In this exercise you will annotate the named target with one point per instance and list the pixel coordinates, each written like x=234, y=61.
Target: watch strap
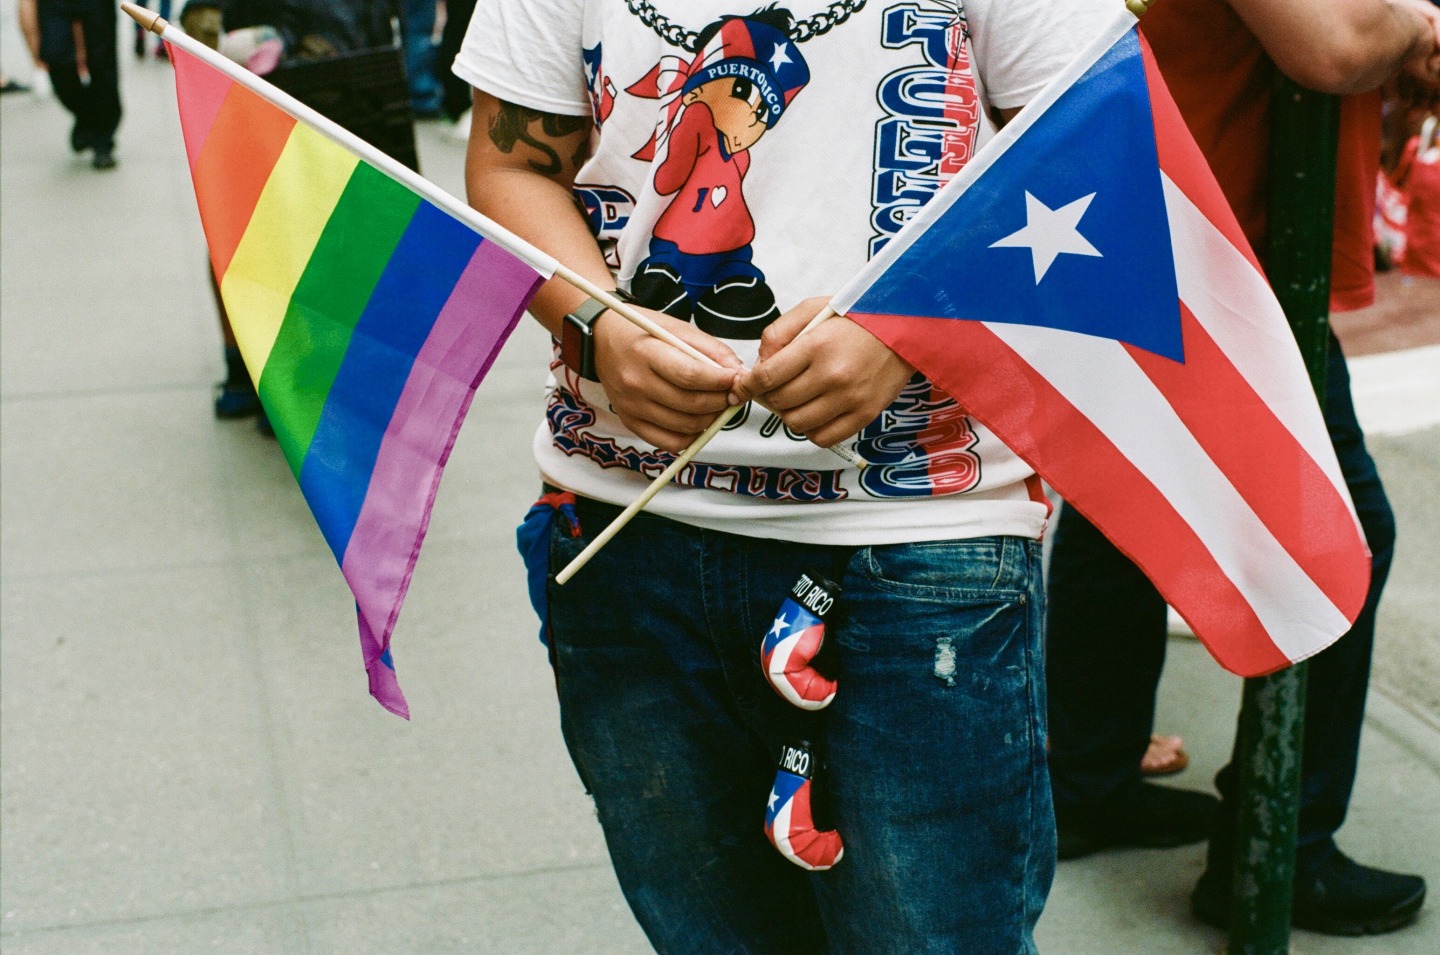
x=577, y=336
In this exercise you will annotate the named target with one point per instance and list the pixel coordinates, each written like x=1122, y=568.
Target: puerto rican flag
x=1084, y=290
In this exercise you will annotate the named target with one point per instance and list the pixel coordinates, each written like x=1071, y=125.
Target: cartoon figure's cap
x=758, y=52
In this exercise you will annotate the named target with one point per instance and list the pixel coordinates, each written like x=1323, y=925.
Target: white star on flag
x=773, y=799
x=779, y=58
x=1049, y=233
x=779, y=627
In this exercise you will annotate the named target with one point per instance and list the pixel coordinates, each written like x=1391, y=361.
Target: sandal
x=1165, y=756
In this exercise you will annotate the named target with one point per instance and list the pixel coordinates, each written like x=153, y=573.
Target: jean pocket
x=972, y=568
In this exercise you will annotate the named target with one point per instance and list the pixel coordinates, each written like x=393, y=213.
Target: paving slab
x=1407, y=640
x=94, y=482
x=138, y=779
x=568, y=910
x=278, y=930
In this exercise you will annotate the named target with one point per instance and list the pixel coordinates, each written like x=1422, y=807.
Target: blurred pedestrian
x=30, y=30
x=141, y=34
x=259, y=34
x=1417, y=178
x=1107, y=623
x=455, y=101
x=417, y=37
x=72, y=31
x=319, y=29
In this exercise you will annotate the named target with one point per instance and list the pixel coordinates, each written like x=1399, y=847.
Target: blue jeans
x=1107, y=648
x=417, y=24
x=934, y=746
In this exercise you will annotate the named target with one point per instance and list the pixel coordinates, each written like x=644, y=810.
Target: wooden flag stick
x=666, y=476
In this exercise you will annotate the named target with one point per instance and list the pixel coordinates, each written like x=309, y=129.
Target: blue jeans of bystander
x=934, y=745
x=417, y=29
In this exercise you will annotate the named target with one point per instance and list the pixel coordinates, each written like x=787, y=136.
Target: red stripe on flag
x=1182, y=161
x=244, y=144
x=200, y=90
x=1024, y=410
x=1272, y=471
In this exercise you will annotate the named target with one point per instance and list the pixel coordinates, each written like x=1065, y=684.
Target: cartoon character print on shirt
x=599, y=84
x=745, y=73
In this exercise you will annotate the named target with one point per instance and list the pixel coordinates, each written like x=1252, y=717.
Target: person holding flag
x=1107, y=622
x=731, y=163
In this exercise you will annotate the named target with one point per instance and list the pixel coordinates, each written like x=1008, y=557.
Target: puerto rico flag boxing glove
x=788, y=652
x=790, y=822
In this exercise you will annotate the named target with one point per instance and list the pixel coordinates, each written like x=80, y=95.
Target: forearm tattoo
x=513, y=124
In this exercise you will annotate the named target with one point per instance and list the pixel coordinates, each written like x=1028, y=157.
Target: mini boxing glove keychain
x=788, y=657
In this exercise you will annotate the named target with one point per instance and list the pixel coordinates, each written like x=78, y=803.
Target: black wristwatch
x=577, y=336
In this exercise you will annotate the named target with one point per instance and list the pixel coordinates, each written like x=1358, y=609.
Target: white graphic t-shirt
x=750, y=155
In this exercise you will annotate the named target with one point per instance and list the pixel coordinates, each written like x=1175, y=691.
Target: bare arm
x=519, y=170
x=1345, y=46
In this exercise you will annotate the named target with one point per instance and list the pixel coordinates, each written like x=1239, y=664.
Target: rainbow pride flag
x=366, y=313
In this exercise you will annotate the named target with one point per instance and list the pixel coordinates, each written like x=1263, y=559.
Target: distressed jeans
x=934, y=746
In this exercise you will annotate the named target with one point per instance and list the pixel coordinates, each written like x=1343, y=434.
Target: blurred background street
x=191, y=762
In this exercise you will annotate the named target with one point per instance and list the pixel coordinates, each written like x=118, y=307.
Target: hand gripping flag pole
x=666, y=476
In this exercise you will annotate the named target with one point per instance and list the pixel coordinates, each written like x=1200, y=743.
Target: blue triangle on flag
x=1011, y=249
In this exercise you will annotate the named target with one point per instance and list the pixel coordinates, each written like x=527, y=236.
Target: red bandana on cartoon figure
x=738, y=41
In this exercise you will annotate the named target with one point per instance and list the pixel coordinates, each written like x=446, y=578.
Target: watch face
x=577, y=345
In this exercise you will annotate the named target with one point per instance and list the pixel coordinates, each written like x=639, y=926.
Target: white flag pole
x=541, y=262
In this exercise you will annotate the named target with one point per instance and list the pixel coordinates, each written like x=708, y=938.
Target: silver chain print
x=676, y=35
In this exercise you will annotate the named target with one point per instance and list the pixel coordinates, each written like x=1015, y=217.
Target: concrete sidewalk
x=190, y=759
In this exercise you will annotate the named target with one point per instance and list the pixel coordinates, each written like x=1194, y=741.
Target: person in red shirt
x=1418, y=175
x=1106, y=622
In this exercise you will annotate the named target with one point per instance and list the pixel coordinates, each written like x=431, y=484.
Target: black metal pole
x=1304, y=137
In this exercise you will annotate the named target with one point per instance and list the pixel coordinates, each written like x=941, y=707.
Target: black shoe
x=80, y=138
x=658, y=286
x=236, y=399
x=104, y=158
x=737, y=308
x=1146, y=815
x=1338, y=897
